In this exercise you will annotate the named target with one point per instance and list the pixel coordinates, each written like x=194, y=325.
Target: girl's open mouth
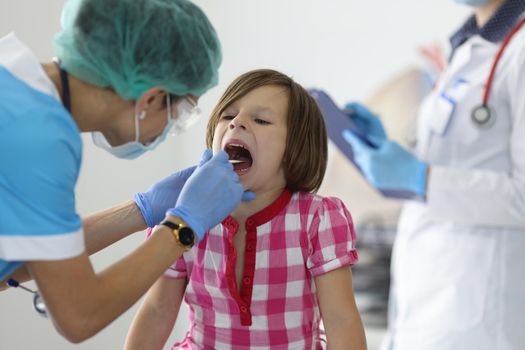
x=240, y=157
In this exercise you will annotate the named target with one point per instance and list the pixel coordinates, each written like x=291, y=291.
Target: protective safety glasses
x=38, y=302
x=187, y=113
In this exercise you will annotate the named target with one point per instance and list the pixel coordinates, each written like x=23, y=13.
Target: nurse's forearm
x=108, y=226
x=100, y=230
x=81, y=302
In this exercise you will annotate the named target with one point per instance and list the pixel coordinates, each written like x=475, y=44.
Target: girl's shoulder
x=312, y=202
x=327, y=232
x=311, y=209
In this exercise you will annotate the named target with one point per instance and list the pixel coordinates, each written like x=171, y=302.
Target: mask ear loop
x=168, y=101
x=142, y=115
x=138, y=117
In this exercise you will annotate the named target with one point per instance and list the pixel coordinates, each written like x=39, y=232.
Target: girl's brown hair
x=305, y=156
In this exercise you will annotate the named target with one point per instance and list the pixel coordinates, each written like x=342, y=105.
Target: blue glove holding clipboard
x=360, y=135
x=336, y=121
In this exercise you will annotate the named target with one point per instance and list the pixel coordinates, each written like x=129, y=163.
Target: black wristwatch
x=182, y=233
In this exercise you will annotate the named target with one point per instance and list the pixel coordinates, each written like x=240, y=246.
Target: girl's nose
x=237, y=122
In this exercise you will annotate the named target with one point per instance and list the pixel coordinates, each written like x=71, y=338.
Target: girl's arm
x=156, y=317
x=344, y=329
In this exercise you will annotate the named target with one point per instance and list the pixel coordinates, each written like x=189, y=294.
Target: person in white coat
x=458, y=261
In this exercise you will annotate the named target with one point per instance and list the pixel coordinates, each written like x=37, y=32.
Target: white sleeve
x=488, y=197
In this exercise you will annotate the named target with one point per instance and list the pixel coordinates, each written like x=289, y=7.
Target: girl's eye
x=261, y=121
x=227, y=117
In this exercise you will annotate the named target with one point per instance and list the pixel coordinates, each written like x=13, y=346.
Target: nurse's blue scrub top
x=40, y=157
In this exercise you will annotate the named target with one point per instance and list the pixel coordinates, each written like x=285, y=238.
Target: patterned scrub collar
x=495, y=30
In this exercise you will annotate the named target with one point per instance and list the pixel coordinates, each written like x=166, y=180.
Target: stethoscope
x=38, y=302
x=483, y=115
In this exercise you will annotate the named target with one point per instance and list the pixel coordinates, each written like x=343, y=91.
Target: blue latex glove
x=390, y=168
x=367, y=122
x=161, y=196
x=210, y=194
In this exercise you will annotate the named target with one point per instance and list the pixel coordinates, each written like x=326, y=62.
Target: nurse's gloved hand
x=211, y=193
x=161, y=196
x=390, y=168
x=367, y=122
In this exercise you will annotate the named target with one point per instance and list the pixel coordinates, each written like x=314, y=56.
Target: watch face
x=186, y=236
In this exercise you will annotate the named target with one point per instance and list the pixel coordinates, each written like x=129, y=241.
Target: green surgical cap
x=131, y=46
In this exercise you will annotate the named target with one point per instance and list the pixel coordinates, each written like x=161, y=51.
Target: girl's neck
x=484, y=13
x=261, y=201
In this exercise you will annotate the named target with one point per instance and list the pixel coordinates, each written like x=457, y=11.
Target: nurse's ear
x=153, y=98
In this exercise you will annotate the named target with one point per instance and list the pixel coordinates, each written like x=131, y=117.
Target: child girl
x=278, y=265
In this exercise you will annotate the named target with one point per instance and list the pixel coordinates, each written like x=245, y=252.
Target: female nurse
x=129, y=72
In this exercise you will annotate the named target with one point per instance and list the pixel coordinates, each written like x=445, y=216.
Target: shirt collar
x=21, y=62
x=272, y=210
x=495, y=30
x=265, y=214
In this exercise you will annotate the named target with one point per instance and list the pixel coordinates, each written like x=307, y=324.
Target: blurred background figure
x=457, y=263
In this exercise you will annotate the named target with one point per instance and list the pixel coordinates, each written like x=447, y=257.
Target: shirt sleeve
x=41, y=155
x=485, y=197
x=179, y=268
x=331, y=238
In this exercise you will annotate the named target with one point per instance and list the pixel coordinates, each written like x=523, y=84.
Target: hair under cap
x=134, y=45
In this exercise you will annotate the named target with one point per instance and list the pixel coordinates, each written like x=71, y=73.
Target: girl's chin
x=247, y=185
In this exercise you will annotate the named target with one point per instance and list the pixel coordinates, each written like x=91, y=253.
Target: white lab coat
x=458, y=266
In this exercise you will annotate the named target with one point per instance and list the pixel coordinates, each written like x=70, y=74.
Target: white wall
x=347, y=47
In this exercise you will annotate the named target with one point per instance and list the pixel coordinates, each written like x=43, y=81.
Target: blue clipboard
x=336, y=121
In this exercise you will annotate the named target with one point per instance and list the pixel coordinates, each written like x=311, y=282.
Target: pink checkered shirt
x=296, y=238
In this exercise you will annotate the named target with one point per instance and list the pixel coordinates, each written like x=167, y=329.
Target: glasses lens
x=39, y=304
x=188, y=113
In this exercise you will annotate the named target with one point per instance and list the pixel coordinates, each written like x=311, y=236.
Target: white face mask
x=134, y=149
